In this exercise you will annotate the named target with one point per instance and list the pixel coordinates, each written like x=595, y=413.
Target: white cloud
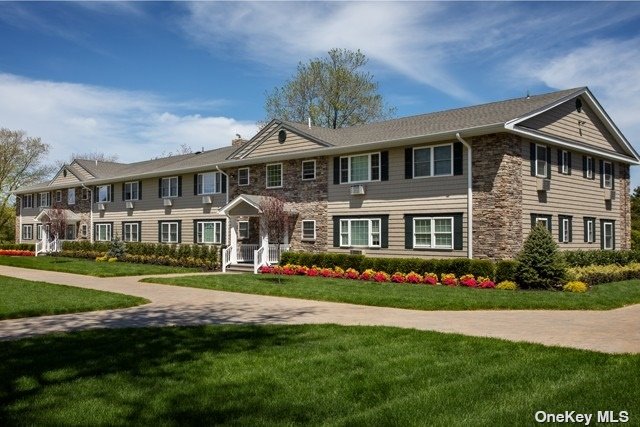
x=134, y=125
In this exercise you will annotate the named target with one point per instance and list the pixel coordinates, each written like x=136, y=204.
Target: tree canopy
x=333, y=92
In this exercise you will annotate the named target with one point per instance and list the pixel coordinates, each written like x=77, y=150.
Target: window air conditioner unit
x=357, y=190
x=168, y=202
x=357, y=252
x=101, y=206
x=544, y=184
x=206, y=200
x=609, y=194
x=129, y=205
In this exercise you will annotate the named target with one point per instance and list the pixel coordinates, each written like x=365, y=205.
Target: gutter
x=469, y=195
x=91, y=213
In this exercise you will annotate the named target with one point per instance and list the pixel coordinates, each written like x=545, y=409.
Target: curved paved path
x=614, y=331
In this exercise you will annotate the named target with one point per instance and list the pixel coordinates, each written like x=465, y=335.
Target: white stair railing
x=259, y=259
x=226, y=257
x=275, y=251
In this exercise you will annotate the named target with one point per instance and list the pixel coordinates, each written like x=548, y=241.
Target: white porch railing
x=275, y=251
x=246, y=253
x=258, y=259
x=44, y=246
x=226, y=257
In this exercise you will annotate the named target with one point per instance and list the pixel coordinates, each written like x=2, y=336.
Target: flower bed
x=16, y=252
x=369, y=275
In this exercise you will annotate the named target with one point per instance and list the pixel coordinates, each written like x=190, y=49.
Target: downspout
x=469, y=195
x=19, y=218
x=91, y=212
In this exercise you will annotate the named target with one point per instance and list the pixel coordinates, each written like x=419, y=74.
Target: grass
x=90, y=267
x=310, y=375
x=419, y=297
x=24, y=298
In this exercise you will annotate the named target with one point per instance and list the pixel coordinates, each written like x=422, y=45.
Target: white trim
x=369, y=230
x=23, y=199
x=546, y=161
x=266, y=175
x=109, y=230
x=48, y=194
x=169, y=223
x=544, y=219
x=129, y=224
x=217, y=231
x=71, y=191
x=162, y=187
x=469, y=195
x=59, y=193
x=432, y=161
x=240, y=236
x=217, y=183
x=241, y=198
x=24, y=228
x=604, y=175
x=248, y=177
x=565, y=231
x=109, y=195
x=591, y=227
x=432, y=220
x=137, y=183
x=606, y=224
x=369, y=167
x=565, y=167
x=591, y=166
x=302, y=170
x=302, y=236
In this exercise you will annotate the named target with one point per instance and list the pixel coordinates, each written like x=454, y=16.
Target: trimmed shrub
x=575, y=287
x=540, y=265
x=598, y=274
x=600, y=257
x=18, y=246
x=116, y=249
x=506, y=270
x=507, y=285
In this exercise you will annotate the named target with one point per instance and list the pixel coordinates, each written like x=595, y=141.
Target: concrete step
x=240, y=268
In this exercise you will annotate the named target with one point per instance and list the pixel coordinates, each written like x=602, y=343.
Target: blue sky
x=139, y=79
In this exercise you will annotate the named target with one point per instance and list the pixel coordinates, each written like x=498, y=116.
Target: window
x=59, y=196
x=27, y=201
x=607, y=235
x=83, y=230
x=308, y=170
x=39, y=231
x=103, y=232
x=243, y=229
x=131, y=191
x=543, y=219
x=274, y=175
x=85, y=194
x=71, y=196
x=589, y=230
x=541, y=161
x=131, y=231
x=208, y=183
x=433, y=161
x=243, y=176
x=565, y=162
x=362, y=168
x=209, y=232
x=103, y=193
x=565, y=228
x=170, y=232
x=433, y=233
x=169, y=187
x=27, y=232
x=70, y=232
x=588, y=167
x=45, y=200
x=308, y=229
x=360, y=233
x=607, y=173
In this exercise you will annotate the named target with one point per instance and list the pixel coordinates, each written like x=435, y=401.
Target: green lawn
x=302, y=375
x=420, y=297
x=90, y=267
x=24, y=298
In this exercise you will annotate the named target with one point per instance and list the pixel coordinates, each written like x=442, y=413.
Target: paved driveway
x=614, y=331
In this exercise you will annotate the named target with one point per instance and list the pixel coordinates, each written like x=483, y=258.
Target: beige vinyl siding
x=399, y=196
x=150, y=210
x=570, y=195
x=60, y=179
x=80, y=171
x=293, y=144
x=564, y=120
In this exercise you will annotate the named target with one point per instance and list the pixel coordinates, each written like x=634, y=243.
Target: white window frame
x=369, y=167
x=433, y=245
x=217, y=232
x=217, y=182
x=591, y=225
x=169, y=225
x=66, y=232
x=302, y=170
x=541, y=219
x=267, y=175
x=240, y=184
x=432, y=163
x=83, y=230
x=109, y=195
x=29, y=198
x=607, y=175
x=590, y=167
x=609, y=225
x=108, y=232
x=307, y=221
x=39, y=229
x=27, y=232
x=130, y=184
x=565, y=230
x=169, y=194
x=47, y=202
x=130, y=226
x=564, y=157
x=71, y=196
x=240, y=236
x=58, y=196
x=348, y=234
x=546, y=161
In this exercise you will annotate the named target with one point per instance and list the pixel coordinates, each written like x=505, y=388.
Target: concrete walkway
x=614, y=331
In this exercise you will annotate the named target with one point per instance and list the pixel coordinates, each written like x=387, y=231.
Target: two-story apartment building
x=469, y=182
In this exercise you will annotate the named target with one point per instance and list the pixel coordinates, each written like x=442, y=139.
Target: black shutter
x=408, y=163
x=384, y=166
x=613, y=176
x=159, y=231
x=95, y=194
x=180, y=186
x=336, y=231
x=560, y=227
x=457, y=158
x=223, y=190
x=179, y=225
x=195, y=184
x=601, y=163
x=195, y=231
x=408, y=232
x=559, y=160
x=532, y=154
x=457, y=231
x=384, y=231
x=570, y=162
x=585, y=228
x=123, y=191
x=548, y=162
x=584, y=166
x=336, y=171
x=160, y=187
x=613, y=235
x=139, y=190
x=111, y=198
x=601, y=233
x=570, y=229
x=223, y=232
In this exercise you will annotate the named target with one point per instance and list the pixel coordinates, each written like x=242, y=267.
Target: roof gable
x=65, y=176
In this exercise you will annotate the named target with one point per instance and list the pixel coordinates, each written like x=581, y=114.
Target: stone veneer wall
x=625, y=207
x=497, y=196
x=307, y=198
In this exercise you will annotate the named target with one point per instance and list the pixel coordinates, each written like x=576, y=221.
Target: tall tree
x=635, y=219
x=333, y=92
x=21, y=163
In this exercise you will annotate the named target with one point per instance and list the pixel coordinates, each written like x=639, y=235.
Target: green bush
x=598, y=274
x=506, y=270
x=507, y=285
x=116, y=249
x=19, y=246
x=575, y=287
x=539, y=263
x=599, y=257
